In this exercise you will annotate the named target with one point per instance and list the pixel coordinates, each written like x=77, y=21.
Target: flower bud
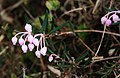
x=24, y=48
x=108, y=22
x=50, y=58
x=103, y=20
x=37, y=53
x=35, y=42
x=30, y=38
x=21, y=41
x=115, y=17
x=14, y=40
x=28, y=27
x=30, y=46
x=43, y=51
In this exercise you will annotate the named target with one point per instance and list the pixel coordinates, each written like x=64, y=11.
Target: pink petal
x=108, y=22
x=43, y=51
x=50, y=58
x=115, y=17
x=14, y=40
x=21, y=41
x=28, y=27
x=35, y=42
x=103, y=19
x=37, y=53
x=24, y=48
x=30, y=38
x=30, y=46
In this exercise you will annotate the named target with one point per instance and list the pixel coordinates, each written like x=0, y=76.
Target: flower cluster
x=109, y=17
x=29, y=41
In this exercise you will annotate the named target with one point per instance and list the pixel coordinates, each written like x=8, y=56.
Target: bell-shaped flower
x=30, y=38
x=37, y=53
x=30, y=46
x=103, y=20
x=108, y=22
x=43, y=51
x=14, y=40
x=28, y=27
x=35, y=42
x=24, y=48
x=115, y=17
x=21, y=41
x=50, y=58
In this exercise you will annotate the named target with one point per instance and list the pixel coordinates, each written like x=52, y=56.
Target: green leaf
x=71, y=26
x=27, y=76
x=52, y=4
x=59, y=27
x=45, y=22
x=13, y=75
x=82, y=56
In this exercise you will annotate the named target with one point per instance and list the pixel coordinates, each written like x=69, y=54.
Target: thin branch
x=76, y=9
x=79, y=31
x=87, y=46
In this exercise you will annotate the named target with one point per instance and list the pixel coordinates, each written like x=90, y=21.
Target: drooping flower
x=108, y=22
x=30, y=38
x=51, y=57
x=115, y=17
x=24, y=48
x=103, y=20
x=43, y=51
x=21, y=41
x=30, y=46
x=28, y=27
x=14, y=40
x=35, y=42
x=37, y=53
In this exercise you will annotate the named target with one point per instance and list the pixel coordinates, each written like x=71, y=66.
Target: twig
x=101, y=41
x=4, y=50
x=14, y=6
x=76, y=9
x=86, y=46
x=78, y=31
x=96, y=6
x=108, y=58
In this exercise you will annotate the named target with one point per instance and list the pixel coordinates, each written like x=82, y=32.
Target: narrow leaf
x=82, y=56
x=59, y=27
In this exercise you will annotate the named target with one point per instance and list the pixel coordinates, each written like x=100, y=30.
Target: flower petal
x=43, y=51
x=21, y=41
x=14, y=40
x=28, y=27
x=37, y=53
x=24, y=48
x=30, y=46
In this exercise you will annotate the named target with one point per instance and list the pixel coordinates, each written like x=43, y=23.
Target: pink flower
x=108, y=22
x=37, y=53
x=14, y=40
x=103, y=20
x=50, y=58
x=115, y=17
x=35, y=42
x=21, y=41
x=43, y=51
x=30, y=38
x=24, y=48
x=30, y=46
x=28, y=27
